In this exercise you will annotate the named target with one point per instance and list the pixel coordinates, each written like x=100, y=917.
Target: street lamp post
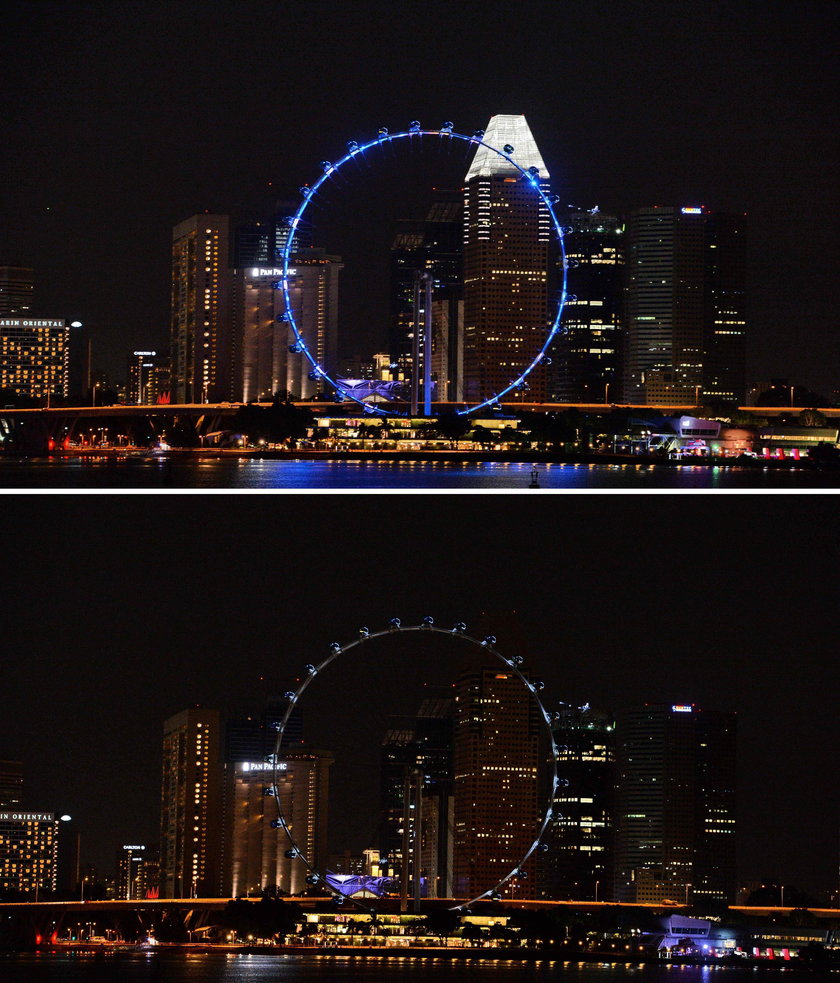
x=606, y=393
x=596, y=889
x=791, y=396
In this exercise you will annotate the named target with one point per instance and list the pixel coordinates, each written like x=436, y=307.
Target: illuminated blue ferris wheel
x=299, y=346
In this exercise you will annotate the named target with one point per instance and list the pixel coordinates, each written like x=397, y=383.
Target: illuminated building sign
x=136, y=846
x=692, y=211
x=269, y=271
x=16, y=322
x=145, y=353
x=261, y=766
x=679, y=708
x=27, y=817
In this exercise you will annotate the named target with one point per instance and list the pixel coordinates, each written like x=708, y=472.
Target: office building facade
x=685, y=321
x=417, y=755
x=578, y=863
x=433, y=245
x=147, y=378
x=131, y=884
x=496, y=780
x=506, y=256
x=675, y=805
x=11, y=786
x=586, y=354
x=191, y=805
x=17, y=286
x=202, y=345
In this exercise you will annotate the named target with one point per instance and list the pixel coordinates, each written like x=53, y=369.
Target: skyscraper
x=421, y=747
x=725, y=318
x=17, y=284
x=191, y=813
x=432, y=245
x=268, y=366
x=675, y=804
x=202, y=345
x=28, y=852
x=496, y=779
x=506, y=247
x=586, y=353
x=255, y=859
x=684, y=306
x=34, y=356
x=147, y=377
x=11, y=785
x=578, y=863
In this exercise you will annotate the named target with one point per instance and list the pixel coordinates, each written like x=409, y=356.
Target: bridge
x=24, y=924
x=41, y=430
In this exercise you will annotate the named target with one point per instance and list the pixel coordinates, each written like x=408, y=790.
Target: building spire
x=502, y=131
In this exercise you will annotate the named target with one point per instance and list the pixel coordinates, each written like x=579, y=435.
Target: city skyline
x=756, y=138
x=603, y=622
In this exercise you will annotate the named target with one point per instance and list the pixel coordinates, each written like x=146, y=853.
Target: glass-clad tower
x=506, y=247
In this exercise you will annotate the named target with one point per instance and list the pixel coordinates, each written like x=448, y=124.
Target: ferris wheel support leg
x=427, y=348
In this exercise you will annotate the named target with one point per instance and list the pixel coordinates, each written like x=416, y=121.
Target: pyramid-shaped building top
x=503, y=130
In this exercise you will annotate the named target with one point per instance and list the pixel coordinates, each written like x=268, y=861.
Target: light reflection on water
x=132, y=967
x=245, y=473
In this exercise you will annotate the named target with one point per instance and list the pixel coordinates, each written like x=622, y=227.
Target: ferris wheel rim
x=395, y=626
x=309, y=192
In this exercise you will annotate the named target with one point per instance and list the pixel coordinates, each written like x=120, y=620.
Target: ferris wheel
x=487, y=646
x=330, y=170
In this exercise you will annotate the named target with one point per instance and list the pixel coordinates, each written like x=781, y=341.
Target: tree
x=812, y=418
x=452, y=426
x=472, y=933
x=442, y=922
x=824, y=453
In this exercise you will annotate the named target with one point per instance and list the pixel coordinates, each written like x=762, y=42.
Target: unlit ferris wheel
x=428, y=627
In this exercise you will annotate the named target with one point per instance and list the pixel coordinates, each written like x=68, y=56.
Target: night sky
x=121, y=119
x=120, y=611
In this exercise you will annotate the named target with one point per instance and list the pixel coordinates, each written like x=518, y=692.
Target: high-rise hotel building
x=202, y=343
x=28, y=851
x=267, y=365
x=255, y=859
x=496, y=780
x=191, y=806
x=506, y=254
x=685, y=319
x=34, y=356
x=675, y=805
